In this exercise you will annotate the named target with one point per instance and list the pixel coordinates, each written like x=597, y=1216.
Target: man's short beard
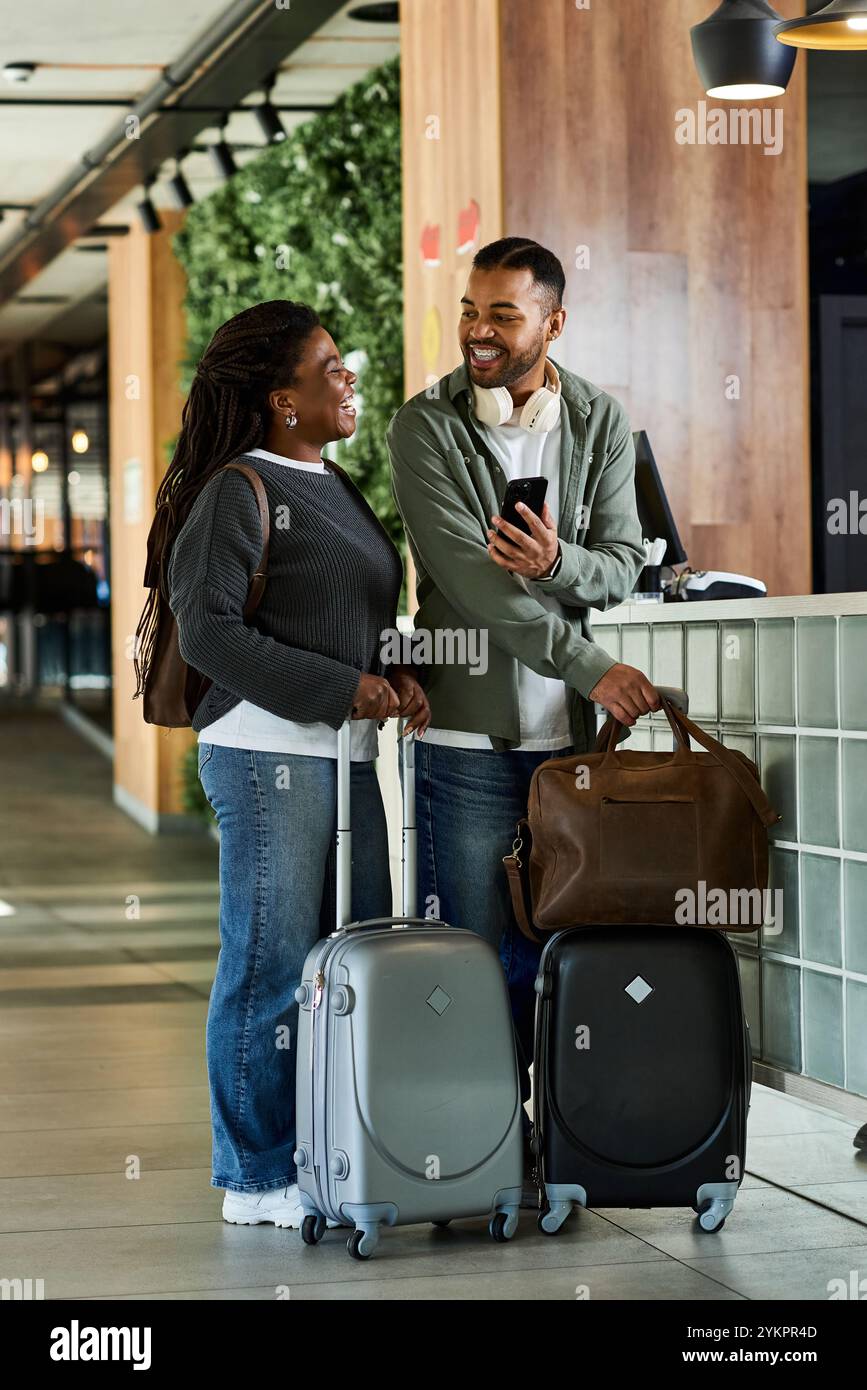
x=515, y=367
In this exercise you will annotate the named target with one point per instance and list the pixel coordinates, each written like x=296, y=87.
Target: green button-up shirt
x=447, y=485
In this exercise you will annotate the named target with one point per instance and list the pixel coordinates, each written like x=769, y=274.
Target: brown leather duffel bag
x=612, y=837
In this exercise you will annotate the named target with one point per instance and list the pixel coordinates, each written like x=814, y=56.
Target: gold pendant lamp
x=840, y=25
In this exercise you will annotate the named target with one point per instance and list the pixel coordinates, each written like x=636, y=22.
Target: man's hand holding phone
x=531, y=556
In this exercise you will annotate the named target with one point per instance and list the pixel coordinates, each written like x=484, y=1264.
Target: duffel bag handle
x=609, y=736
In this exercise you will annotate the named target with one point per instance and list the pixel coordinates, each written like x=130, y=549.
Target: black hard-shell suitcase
x=642, y=1072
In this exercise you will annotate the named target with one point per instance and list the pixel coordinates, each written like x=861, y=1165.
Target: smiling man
x=508, y=412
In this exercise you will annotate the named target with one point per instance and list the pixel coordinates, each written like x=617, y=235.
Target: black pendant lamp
x=840, y=25
x=737, y=53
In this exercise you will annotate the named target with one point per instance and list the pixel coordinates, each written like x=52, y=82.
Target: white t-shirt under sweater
x=248, y=726
x=543, y=703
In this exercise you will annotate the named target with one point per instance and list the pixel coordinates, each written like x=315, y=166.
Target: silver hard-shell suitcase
x=408, y=1097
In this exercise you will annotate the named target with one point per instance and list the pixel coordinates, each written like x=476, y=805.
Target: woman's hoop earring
x=291, y=420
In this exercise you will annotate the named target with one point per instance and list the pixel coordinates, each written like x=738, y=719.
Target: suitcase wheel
x=551, y=1218
x=362, y=1243
x=313, y=1229
x=503, y=1225
x=712, y=1214
x=441, y=1224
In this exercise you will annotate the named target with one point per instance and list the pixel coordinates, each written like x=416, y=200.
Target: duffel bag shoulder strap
x=726, y=758
x=519, y=885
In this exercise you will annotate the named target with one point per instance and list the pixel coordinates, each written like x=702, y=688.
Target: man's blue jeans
x=277, y=819
x=468, y=802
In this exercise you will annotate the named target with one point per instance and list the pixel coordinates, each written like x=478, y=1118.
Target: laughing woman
x=272, y=388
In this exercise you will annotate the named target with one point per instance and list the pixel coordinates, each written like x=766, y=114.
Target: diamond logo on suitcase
x=638, y=989
x=439, y=1001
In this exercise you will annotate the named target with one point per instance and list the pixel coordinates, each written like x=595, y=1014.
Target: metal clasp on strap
x=517, y=845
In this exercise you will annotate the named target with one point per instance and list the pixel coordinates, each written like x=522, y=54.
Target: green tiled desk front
x=785, y=681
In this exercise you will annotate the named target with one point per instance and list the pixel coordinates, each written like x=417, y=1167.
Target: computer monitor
x=653, y=510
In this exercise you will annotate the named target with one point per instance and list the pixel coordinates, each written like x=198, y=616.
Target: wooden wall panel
x=564, y=157
x=146, y=323
x=697, y=263
x=451, y=79
x=731, y=218
x=659, y=310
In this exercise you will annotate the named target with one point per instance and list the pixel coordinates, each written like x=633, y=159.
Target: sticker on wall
x=431, y=338
x=430, y=244
x=469, y=222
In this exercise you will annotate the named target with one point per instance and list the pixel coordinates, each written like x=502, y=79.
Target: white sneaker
x=280, y=1205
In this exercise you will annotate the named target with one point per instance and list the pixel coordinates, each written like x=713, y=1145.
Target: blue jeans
x=277, y=819
x=468, y=802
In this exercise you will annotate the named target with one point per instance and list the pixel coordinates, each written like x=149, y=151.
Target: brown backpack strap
x=260, y=578
x=519, y=887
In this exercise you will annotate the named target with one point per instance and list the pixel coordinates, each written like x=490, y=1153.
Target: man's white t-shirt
x=248, y=726
x=543, y=703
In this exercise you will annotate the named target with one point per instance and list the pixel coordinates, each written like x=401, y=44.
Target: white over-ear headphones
x=494, y=404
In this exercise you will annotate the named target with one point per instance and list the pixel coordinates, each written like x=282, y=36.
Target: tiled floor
x=102, y=1076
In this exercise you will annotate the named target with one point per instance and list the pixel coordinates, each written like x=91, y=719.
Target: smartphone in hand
x=530, y=491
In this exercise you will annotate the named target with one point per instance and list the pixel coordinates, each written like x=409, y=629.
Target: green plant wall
x=317, y=218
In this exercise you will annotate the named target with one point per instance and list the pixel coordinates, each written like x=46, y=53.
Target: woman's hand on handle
x=374, y=698
x=414, y=706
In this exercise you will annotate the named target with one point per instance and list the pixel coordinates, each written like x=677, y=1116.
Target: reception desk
x=784, y=680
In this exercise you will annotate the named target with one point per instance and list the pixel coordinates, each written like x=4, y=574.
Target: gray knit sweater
x=333, y=586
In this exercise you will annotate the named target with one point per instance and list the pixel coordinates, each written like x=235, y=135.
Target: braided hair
x=225, y=415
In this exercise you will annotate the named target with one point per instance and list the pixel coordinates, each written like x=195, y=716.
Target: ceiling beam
x=237, y=55
x=129, y=103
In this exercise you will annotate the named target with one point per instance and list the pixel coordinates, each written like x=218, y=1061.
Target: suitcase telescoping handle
x=344, y=827
x=371, y=922
x=408, y=836
x=408, y=839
